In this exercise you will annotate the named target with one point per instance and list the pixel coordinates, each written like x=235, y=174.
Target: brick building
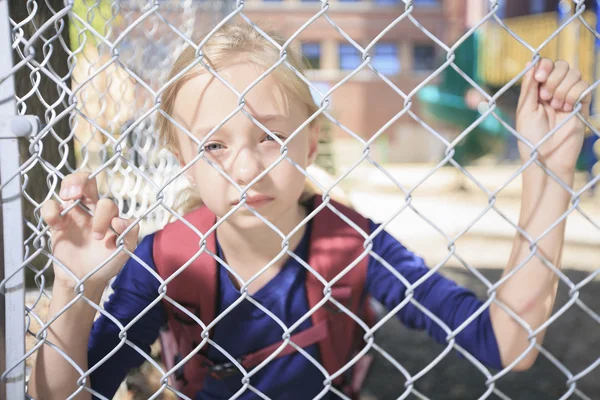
x=405, y=55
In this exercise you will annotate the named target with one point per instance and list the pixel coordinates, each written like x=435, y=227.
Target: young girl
x=254, y=306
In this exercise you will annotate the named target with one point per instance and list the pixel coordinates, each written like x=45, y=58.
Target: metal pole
x=12, y=325
x=594, y=161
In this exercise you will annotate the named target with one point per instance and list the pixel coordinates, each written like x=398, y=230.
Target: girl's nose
x=247, y=166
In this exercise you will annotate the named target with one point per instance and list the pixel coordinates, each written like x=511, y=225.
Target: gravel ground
x=573, y=339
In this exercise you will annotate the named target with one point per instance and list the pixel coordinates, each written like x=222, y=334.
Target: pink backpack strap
x=334, y=246
x=194, y=288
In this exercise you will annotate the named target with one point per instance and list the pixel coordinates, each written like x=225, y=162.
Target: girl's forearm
x=531, y=291
x=53, y=377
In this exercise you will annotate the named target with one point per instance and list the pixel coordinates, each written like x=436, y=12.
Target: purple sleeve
x=134, y=289
x=445, y=299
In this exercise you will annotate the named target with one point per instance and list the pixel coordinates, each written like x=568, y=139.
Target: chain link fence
x=118, y=56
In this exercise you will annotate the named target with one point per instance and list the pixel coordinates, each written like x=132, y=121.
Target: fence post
x=12, y=302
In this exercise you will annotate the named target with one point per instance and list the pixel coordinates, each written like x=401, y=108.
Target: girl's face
x=240, y=148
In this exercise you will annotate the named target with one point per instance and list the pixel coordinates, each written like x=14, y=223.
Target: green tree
x=99, y=14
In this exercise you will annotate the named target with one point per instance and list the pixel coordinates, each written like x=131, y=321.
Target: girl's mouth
x=256, y=201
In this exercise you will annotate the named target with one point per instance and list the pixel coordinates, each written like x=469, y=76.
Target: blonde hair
x=222, y=50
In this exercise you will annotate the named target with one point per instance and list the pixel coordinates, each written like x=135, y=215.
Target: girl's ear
x=313, y=145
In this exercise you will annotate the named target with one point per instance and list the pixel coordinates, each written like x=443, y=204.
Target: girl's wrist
x=68, y=287
x=535, y=176
x=564, y=173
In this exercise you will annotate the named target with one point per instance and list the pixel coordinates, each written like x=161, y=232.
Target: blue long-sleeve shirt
x=292, y=376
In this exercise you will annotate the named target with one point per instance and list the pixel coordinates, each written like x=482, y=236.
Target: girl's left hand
x=548, y=95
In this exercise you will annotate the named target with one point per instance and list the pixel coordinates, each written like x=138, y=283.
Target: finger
x=529, y=90
x=80, y=186
x=558, y=99
x=106, y=210
x=560, y=70
x=50, y=212
x=70, y=185
x=130, y=239
x=573, y=95
x=543, y=70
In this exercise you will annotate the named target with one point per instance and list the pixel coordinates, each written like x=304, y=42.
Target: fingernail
x=568, y=107
x=545, y=94
x=541, y=74
x=97, y=235
x=73, y=191
x=120, y=225
x=63, y=192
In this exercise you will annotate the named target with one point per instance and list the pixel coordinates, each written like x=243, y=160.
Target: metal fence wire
x=118, y=55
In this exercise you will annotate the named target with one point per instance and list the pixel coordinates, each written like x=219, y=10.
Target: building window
x=350, y=58
x=385, y=58
x=423, y=57
x=312, y=53
x=538, y=6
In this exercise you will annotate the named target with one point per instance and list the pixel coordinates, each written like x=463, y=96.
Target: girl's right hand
x=82, y=242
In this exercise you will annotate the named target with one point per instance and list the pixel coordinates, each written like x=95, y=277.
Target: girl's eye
x=270, y=138
x=212, y=147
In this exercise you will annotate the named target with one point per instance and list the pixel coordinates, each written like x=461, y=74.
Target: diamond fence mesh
x=118, y=55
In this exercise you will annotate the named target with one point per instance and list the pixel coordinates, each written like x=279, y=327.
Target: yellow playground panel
x=502, y=57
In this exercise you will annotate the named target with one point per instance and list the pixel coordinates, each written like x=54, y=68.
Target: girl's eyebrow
x=269, y=118
x=202, y=131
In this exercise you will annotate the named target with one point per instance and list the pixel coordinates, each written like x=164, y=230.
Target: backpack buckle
x=223, y=370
